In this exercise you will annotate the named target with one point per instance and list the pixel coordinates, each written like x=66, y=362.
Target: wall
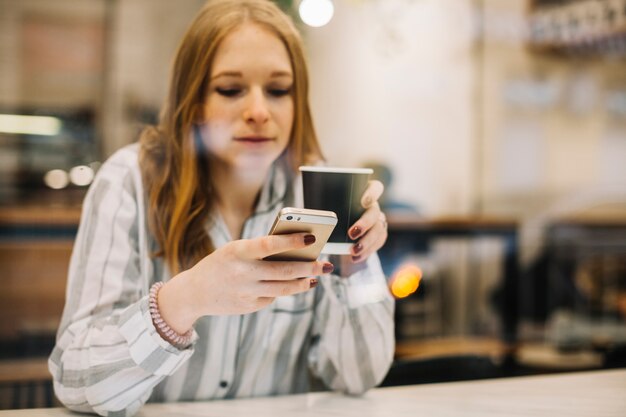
x=392, y=81
x=144, y=38
x=19, y=86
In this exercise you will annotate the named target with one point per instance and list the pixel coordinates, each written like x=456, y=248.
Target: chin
x=255, y=163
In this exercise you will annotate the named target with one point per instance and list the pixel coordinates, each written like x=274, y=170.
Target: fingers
x=285, y=278
x=372, y=193
x=370, y=242
x=289, y=270
x=285, y=288
x=370, y=229
x=262, y=247
x=366, y=222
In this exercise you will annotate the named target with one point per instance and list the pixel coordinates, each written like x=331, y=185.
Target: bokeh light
x=81, y=175
x=30, y=125
x=406, y=280
x=56, y=179
x=316, y=13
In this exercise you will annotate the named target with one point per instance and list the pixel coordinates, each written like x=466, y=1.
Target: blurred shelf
x=40, y=215
x=26, y=383
x=593, y=220
x=546, y=357
x=452, y=346
x=416, y=308
x=24, y=370
x=416, y=222
x=39, y=222
x=578, y=28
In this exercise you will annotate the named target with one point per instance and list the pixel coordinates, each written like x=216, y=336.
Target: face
x=248, y=112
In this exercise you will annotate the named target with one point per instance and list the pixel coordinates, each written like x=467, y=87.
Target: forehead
x=251, y=48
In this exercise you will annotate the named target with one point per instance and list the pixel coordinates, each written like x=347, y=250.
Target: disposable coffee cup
x=339, y=190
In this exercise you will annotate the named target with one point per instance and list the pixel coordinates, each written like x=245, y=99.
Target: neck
x=236, y=193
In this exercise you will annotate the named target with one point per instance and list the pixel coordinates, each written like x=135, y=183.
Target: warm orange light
x=406, y=280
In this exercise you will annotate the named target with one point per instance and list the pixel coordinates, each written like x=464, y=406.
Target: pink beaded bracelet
x=171, y=336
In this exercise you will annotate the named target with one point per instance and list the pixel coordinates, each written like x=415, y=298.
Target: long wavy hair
x=174, y=166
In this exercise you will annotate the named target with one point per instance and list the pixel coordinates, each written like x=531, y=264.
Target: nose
x=256, y=110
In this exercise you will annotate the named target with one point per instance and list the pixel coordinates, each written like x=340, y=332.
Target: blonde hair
x=174, y=167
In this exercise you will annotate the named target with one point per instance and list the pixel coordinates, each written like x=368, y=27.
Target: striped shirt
x=110, y=360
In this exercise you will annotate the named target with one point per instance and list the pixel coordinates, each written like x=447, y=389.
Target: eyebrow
x=274, y=74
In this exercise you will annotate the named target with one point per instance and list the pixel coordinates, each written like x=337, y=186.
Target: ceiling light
x=29, y=125
x=81, y=175
x=56, y=179
x=316, y=13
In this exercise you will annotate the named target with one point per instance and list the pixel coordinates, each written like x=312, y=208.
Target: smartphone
x=319, y=223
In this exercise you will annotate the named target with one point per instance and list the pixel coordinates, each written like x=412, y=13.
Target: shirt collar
x=276, y=187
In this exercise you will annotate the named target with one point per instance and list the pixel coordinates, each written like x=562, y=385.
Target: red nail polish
x=328, y=268
x=312, y=283
x=309, y=239
x=355, y=232
x=357, y=248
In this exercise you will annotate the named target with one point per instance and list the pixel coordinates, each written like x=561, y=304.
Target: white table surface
x=589, y=394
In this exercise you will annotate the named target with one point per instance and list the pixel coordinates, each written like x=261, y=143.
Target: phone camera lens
x=289, y=217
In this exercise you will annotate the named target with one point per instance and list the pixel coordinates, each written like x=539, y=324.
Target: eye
x=229, y=91
x=279, y=92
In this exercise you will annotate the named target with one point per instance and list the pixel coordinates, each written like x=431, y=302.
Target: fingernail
x=328, y=268
x=357, y=248
x=309, y=239
x=356, y=258
x=355, y=232
x=312, y=283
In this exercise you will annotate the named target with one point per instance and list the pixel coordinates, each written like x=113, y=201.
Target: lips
x=253, y=139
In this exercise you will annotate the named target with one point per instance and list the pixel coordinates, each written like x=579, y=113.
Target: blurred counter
x=571, y=395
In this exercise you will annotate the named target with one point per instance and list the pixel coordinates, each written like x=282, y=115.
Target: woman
x=168, y=298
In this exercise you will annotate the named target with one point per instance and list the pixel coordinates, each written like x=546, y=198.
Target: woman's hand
x=370, y=231
x=235, y=280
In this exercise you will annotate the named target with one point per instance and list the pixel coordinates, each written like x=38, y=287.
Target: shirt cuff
x=147, y=348
x=366, y=285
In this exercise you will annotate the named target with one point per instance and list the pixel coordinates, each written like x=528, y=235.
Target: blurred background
x=498, y=126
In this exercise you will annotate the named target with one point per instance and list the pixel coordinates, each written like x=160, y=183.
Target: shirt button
x=223, y=384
